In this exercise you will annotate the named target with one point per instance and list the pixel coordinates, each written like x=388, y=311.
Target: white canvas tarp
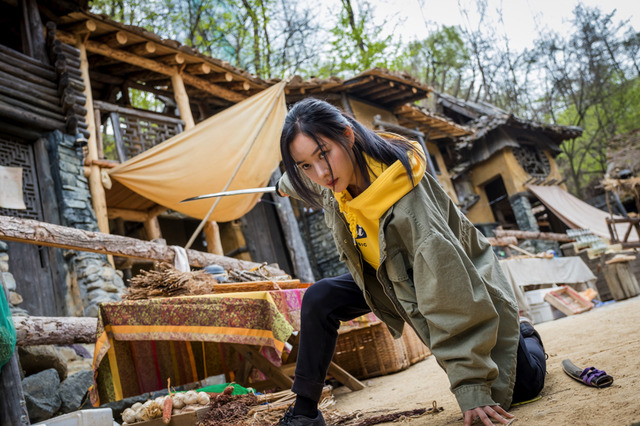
x=235, y=149
x=575, y=213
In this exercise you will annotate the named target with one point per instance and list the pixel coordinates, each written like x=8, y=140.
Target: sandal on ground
x=589, y=376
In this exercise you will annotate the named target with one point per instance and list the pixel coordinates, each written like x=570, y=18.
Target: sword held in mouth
x=266, y=189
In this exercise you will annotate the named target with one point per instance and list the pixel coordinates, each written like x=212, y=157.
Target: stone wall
x=91, y=278
x=8, y=282
x=323, y=254
x=526, y=221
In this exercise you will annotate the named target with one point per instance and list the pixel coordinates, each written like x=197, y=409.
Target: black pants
x=331, y=300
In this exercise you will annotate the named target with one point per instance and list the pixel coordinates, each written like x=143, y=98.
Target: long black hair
x=315, y=118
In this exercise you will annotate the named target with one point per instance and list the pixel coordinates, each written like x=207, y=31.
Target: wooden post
x=182, y=99
x=98, y=197
x=299, y=258
x=212, y=236
x=152, y=228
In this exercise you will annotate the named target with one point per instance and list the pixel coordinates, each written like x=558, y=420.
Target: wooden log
x=32, y=65
x=81, y=27
x=295, y=244
x=223, y=77
x=212, y=89
x=26, y=117
x=152, y=228
x=46, y=234
x=128, y=215
x=143, y=49
x=28, y=93
x=25, y=75
x=201, y=68
x=116, y=39
x=63, y=67
x=171, y=59
x=98, y=196
x=71, y=61
x=212, y=236
x=32, y=108
x=36, y=31
x=68, y=82
x=153, y=65
x=529, y=235
x=503, y=241
x=54, y=330
x=16, y=82
x=182, y=99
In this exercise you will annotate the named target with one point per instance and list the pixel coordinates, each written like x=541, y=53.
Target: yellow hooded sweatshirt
x=388, y=185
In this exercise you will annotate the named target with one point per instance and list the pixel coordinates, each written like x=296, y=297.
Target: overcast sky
x=523, y=19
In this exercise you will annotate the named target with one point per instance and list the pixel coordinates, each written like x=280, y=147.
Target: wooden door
x=31, y=265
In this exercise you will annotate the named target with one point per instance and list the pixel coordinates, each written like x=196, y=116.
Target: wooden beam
x=182, y=99
x=81, y=27
x=201, y=68
x=224, y=77
x=153, y=65
x=46, y=234
x=32, y=330
x=128, y=215
x=143, y=48
x=118, y=38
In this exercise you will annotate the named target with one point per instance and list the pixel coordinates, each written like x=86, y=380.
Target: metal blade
x=235, y=192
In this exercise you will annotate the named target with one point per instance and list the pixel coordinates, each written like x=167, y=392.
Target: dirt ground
x=607, y=338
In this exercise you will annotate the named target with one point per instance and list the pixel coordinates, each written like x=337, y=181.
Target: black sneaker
x=300, y=420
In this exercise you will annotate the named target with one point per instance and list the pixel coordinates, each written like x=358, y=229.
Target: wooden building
x=503, y=155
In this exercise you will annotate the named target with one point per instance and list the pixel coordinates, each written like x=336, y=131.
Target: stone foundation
x=91, y=278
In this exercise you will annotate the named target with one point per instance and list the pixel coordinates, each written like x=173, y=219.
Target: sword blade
x=235, y=192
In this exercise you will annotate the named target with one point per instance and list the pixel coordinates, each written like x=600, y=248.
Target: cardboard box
x=568, y=301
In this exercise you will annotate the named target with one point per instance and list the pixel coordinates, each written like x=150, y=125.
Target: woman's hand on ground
x=484, y=413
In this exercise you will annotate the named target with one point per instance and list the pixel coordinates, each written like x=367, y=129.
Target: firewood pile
x=166, y=281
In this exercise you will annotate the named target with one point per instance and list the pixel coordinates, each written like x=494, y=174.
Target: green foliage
x=435, y=58
x=356, y=44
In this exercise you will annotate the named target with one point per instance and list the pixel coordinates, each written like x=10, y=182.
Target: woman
x=413, y=258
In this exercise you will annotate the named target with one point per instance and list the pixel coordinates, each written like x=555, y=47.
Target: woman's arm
x=462, y=319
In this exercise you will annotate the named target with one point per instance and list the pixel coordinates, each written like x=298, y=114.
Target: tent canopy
x=575, y=213
x=235, y=149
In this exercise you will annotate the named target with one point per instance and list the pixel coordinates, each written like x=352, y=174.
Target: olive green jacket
x=438, y=274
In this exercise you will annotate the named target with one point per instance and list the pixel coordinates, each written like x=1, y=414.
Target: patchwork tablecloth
x=142, y=343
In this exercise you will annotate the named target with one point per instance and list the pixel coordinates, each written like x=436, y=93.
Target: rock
x=8, y=281
x=35, y=359
x=41, y=394
x=74, y=389
x=15, y=298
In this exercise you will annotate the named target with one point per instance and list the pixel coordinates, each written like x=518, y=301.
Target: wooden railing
x=135, y=131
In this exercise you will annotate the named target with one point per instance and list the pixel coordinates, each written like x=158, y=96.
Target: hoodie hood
x=388, y=185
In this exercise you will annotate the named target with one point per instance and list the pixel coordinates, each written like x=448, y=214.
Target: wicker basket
x=416, y=350
x=370, y=351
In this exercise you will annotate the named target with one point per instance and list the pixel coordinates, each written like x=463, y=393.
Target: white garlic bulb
x=178, y=400
x=129, y=415
x=203, y=398
x=191, y=397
